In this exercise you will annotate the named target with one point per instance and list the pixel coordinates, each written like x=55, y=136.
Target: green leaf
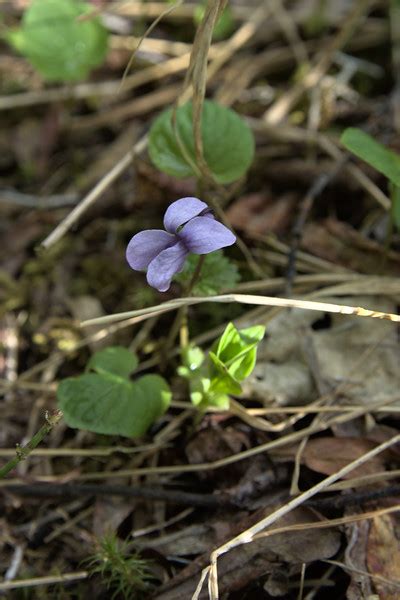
x=221, y=401
x=230, y=361
x=58, y=42
x=232, y=342
x=156, y=396
x=237, y=350
x=112, y=405
x=372, y=152
x=199, y=387
x=223, y=27
x=244, y=363
x=228, y=344
x=115, y=359
x=193, y=357
x=203, y=400
x=222, y=381
x=217, y=273
x=228, y=143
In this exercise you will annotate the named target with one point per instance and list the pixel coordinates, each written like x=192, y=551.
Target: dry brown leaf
x=361, y=356
x=109, y=513
x=215, y=443
x=260, y=213
x=360, y=586
x=383, y=556
x=328, y=454
x=246, y=563
x=380, y=433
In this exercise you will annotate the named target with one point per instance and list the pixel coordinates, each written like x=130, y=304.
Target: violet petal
x=181, y=211
x=165, y=265
x=146, y=245
x=203, y=235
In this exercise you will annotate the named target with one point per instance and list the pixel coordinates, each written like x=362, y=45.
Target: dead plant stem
x=22, y=452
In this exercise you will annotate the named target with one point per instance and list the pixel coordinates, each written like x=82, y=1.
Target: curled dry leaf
x=328, y=455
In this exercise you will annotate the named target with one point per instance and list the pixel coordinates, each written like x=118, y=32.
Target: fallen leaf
x=383, y=556
x=109, y=513
x=261, y=213
x=360, y=586
x=360, y=355
x=382, y=433
x=246, y=563
x=215, y=443
x=328, y=455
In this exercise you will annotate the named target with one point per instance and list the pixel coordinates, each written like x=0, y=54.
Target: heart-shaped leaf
x=61, y=40
x=228, y=143
x=114, y=359
x=112, y=405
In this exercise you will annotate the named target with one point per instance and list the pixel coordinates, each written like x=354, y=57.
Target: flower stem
x=196, y=275
x=180, y=323
x=22, y=452
x=184, y=328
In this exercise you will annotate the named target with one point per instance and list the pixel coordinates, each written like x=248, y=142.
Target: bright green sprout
x=213, y=378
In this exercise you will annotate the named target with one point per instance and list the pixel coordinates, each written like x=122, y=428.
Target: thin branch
x=22, y=452
x=72, y=490
x=355, y=498
x=47, y=580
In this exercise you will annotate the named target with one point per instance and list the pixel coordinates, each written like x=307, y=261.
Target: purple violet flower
x=190, y=228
